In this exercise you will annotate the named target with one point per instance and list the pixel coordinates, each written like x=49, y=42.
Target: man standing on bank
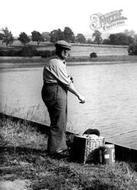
x=56, y=83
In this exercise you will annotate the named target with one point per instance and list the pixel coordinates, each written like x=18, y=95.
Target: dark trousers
x=55, y=98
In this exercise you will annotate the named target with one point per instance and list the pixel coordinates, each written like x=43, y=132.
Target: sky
x=47, y=15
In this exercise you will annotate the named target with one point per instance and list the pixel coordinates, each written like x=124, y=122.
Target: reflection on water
x=110, y=91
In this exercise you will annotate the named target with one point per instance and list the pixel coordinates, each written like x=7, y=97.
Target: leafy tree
x=89, y=41
x=7, y=37
x=46, y=36
x=60, y=35
x=135, y=38
x=56, y=35
x=106, y=41
x=1, y=36
x=53, y=35
x=24, y=38
x=36, y=36
x=130, y=33
x=113, y=39
x=68, y=35
x=80, y=38
x=120, y=39
x=97, y=37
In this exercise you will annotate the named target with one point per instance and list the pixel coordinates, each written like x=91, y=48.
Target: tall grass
x=30, y=161
x=21, y=134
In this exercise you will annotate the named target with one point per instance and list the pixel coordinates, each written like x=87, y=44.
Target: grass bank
x=23, y=157
x=14, y=62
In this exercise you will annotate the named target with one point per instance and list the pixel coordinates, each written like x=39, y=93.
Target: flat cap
x=63, y=44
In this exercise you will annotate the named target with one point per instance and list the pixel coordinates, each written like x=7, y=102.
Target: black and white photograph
x=68, y=95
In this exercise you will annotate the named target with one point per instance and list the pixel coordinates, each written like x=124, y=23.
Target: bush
x=132, y=49
x=93, y=55
x=46, y=53
x=9, y=52
x=13, y=52
x=3, y=53
x=28, y=51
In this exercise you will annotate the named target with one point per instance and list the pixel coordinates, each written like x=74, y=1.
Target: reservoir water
x=110, y=92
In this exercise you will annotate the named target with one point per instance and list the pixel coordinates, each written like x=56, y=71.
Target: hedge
x=26, y=51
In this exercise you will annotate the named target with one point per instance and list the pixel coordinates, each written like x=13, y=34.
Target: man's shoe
x=60, y=154
x=64, y=152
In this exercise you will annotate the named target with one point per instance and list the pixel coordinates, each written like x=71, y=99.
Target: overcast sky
x=46, y=15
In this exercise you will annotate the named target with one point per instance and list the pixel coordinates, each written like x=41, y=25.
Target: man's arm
x=74, y=91
x=60, y=73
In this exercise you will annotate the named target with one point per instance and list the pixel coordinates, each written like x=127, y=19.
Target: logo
x=107, y=21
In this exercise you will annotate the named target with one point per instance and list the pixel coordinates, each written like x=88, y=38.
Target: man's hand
x=71, y=78
x=82, y=99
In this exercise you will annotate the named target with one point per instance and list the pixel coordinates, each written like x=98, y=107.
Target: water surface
x=110, y=92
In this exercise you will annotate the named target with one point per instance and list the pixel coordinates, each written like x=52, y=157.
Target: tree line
x=124, y=38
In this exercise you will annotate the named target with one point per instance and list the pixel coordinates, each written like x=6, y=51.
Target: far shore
x=19, y=62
